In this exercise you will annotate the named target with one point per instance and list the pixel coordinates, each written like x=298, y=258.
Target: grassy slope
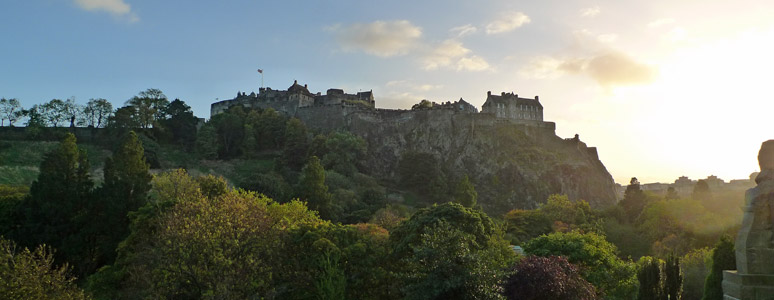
x=19, y=160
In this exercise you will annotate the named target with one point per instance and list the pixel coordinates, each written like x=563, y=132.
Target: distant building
x=511, y=106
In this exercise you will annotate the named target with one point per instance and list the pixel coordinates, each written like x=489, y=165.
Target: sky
x=662, y=88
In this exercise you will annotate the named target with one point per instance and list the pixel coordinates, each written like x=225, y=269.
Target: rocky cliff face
x=511, y=165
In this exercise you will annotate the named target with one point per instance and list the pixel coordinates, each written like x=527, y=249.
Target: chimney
x=502, y=93
x=488, y=93
x=537, y=98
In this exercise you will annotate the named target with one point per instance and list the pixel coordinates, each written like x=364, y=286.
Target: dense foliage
x=265, y=207
x=551, y=277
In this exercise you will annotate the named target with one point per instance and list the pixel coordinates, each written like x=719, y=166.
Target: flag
x=260, y=71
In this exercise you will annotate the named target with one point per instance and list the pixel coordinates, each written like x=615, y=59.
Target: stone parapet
x=747, y=286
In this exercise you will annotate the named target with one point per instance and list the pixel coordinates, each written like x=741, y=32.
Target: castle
x=298, y=102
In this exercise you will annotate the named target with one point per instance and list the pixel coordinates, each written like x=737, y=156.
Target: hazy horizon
x=660, y=89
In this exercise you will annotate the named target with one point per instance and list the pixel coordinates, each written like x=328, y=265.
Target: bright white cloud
x=508, y=21
x=117, y=8
x=463, y=30
x=380, y=38
x=590, y=11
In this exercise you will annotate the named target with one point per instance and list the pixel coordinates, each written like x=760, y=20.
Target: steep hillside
x=511, y=165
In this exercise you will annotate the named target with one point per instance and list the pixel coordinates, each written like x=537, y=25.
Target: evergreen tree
x=634, y=200
x=181, y=122
x=125, y=189
x=312, y=188
x=296, y=144
x=207, y=142
x=51, y=213
x=250, y=144
x=649, y=276
x=723, y=258
x=465, y=193
x=673, y=278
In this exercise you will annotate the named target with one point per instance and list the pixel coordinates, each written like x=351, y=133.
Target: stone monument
x=754, y=277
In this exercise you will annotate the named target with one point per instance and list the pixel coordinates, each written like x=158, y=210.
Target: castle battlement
x=298, y=101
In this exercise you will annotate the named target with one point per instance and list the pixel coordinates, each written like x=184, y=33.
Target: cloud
x=463, y=30
x=472, y=63
x=451, y=54
x=410, y=85
x=609, y=68
x=380, y=38
x=590, y=11
x=117, y=8
x=444, y=55
x=508, y=21
x=615, y=68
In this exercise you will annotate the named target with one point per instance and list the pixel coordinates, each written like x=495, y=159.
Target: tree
x=695, y=266
x=72, y=111
x=53, y=112
x=296, y=144
x=723, y=258
x=424, y=104
x=149, y=105
x=553, y=277
x=181, y=122
x=465, y=193
x=26, y=274
x=97, y=112
x=524, y=225
x=207, y=142
x=34, y=118
x=125, y=189
x=10, y=110
x=312, y=188
x=567, y=215
x=634, y=200
x=53, y=212
x=343, y=150
x=124, y=118
x=222, y=248
x=651, y=280
x=230, y=131
x=613, y=277
x=447, y=263
x=673, y=278
x=450, y=252
x=334, y=261
x=270, y=129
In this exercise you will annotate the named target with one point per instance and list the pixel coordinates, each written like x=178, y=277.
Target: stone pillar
x=754, y=277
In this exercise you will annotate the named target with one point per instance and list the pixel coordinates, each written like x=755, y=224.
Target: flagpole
x=261, y=71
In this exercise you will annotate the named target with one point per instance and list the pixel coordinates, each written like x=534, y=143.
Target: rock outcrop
x=512, y=165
